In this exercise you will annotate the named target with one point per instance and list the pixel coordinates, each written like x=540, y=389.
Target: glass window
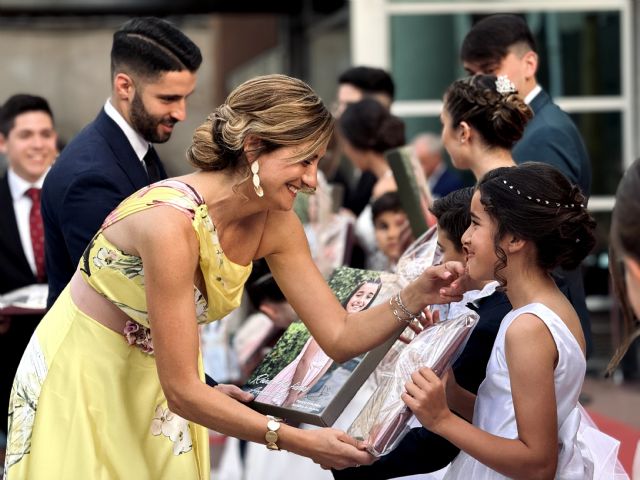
x=579, y=52
x=602, y=133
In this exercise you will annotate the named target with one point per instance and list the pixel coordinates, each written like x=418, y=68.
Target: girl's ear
x=465, y=132
x=515, y=244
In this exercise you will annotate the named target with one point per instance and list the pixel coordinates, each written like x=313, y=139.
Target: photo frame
x=300, y=383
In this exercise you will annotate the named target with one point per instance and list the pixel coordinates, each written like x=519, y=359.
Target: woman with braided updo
x=526, y=419
x=114, y=368
x=482, y=119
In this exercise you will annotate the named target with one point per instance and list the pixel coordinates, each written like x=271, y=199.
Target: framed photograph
x=298, y=381
x=413, y=189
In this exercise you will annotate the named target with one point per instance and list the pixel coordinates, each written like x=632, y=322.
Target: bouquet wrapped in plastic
x=384, y=420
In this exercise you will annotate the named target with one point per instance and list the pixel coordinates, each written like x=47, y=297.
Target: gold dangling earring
x=255, y=168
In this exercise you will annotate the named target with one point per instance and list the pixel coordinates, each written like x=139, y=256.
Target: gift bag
x=384, y=420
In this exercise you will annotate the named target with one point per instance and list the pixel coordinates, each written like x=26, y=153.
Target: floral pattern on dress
x=24, y=402
x=173, y=427
x=138, y=336
x=129, y=265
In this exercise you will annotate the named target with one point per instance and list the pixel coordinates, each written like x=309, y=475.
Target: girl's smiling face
x=478, y=242
x=362, y=297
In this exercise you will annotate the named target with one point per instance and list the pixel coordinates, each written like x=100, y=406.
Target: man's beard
x=146, y=124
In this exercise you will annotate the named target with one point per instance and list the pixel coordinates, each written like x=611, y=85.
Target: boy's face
x=389, y=227
x=448, y=248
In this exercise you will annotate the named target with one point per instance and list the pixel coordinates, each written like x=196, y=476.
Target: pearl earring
x=255, y=168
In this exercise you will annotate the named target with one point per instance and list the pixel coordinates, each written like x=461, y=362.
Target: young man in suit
x=504, y=45
x=28, y=141
x=153, y=71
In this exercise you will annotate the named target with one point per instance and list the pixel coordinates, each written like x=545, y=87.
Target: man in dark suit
x=504, y=45
x=153, y=70
x=28, y=140
x=427, y=147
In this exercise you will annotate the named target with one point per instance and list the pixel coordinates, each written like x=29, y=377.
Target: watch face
x=271, y=437
x=273, y=425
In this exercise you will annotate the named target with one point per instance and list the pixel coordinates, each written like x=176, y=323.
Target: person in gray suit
x=504, y=45
x=153, y=71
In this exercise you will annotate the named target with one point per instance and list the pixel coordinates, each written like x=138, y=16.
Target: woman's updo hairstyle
x=536, y=202
x=278, y=110
x=500, y=118
x=368, y=125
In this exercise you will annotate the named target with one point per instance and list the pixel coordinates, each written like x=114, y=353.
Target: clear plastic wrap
x=384, y=420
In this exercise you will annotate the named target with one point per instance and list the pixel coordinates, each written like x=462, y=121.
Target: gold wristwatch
x=273, y=425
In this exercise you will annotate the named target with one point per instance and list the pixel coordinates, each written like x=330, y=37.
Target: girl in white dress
x=527, y=422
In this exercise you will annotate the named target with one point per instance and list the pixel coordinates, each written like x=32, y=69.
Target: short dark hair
x=369, y=79
x=149, y=46
x=490, y=39
x=367, y=125
x=19, y=104
x=261, y=286
x=387, y=202
x=536, y=202
x=500, y=118
x=453, y=212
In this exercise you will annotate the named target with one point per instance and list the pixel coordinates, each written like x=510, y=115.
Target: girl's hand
x=426, y=398
x=429, y=318
x=333, y=448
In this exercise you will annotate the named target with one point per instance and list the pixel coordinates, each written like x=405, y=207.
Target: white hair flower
x=504, y=85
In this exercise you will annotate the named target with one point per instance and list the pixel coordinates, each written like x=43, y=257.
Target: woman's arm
x=531, y=357
x=169, y=249
x=340, y=335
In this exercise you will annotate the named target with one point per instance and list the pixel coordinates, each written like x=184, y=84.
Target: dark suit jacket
x=422, y=451
x=15, y=272
x=552, y=137
x=448, y=182
x=94, y=173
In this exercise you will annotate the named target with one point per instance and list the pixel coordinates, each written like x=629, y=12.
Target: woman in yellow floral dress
x=111, y=384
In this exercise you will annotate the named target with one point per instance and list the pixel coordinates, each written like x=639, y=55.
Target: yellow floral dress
x=86, y=401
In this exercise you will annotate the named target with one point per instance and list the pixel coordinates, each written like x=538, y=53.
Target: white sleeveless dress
x=584, y=451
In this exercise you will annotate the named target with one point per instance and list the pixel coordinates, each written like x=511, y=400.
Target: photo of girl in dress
x=289, y=384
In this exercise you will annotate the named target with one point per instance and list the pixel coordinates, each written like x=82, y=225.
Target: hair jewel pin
x=504, y=85
x=538, y=200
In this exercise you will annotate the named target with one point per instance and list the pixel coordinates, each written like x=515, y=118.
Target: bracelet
x=406, y=310
x=401, y=308
x=271, y=437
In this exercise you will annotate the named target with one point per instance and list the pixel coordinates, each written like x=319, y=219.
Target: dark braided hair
x=500, y=118
x=536, y=202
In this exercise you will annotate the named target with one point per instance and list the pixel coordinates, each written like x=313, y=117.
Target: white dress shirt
x=138, y=143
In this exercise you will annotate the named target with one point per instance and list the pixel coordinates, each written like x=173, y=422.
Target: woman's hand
x=441, y=283
x=234, y=392
x=426, y=398
x=333, y=448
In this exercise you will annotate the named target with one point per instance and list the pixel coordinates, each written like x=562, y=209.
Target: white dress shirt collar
x=532, y=94
x=18, y=186
x=138, y=143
